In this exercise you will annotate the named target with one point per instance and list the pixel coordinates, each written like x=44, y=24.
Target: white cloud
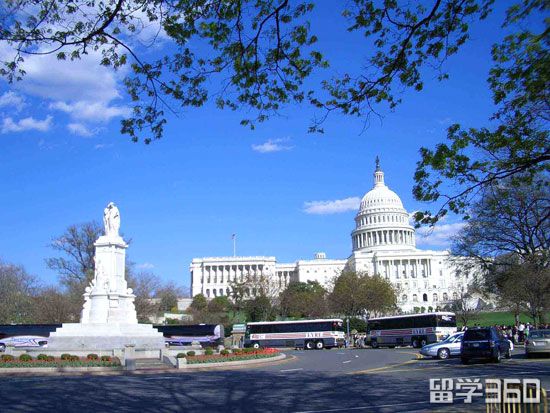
x=83, y=88
x=273, y=145
x=439, y=236
x=145, y=266
x=94, y=112
x=103, y=146
x=12, y=100
x=332, y=207
x=80, y=129
x=30, y=123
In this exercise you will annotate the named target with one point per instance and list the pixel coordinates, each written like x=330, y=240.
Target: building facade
x=383, y=243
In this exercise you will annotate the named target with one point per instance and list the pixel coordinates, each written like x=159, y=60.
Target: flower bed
x=66, y=360
x=247, y=354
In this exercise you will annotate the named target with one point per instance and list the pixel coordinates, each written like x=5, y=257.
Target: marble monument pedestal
x=108, y=320
x=96, y=336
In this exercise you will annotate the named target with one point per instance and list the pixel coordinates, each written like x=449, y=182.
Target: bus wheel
x=423, y=342
x=256, y=345
x=319, y=345
x=374, y=344
x=309, y=345
x=415, y=343
x=2, y=347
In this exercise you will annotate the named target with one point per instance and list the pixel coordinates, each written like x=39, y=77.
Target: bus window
x=446, y=321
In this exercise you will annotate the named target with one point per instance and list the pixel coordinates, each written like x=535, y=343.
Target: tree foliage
x=17, y=288
x=76, y=245
x=303, y=300
x=220, y=304
x=199, y=303
x=355, y=294
x=511, y=217
x=455, y=173
x=509, y=235
x=144, y=285
x=260, y=308
x=52, y=306
x=259, y=53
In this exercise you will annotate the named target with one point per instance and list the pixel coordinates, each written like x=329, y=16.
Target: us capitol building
x=383, y=243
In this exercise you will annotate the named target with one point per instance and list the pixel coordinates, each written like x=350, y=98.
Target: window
x=446, y=321
x=425, y=297
x=475, y=335
x=415, y=298
x=435, y=297
x=445, y=297
x=404, y=297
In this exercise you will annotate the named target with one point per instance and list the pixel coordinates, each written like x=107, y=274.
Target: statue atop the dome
x=378, y=174
x=111, y=220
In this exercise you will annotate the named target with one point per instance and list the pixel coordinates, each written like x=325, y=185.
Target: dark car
x=484, y=343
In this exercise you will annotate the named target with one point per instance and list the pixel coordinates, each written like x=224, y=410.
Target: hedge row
x=223, y=359
x=66, y=360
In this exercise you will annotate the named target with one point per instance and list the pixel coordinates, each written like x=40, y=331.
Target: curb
x=50, y=370
x=102, y=371
x=207, y=366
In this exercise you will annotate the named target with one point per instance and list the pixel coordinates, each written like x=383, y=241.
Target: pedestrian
x=521, y=332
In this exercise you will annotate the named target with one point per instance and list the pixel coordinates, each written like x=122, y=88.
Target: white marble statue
x=111, y=220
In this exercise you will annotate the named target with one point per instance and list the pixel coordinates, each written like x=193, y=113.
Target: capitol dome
x=382, y=222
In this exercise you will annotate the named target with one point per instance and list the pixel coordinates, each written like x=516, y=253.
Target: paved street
x=384, y=380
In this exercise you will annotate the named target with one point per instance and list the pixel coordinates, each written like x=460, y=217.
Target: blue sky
x=62, y=159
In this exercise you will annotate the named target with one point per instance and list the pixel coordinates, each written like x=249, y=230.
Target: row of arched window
x=435, y=297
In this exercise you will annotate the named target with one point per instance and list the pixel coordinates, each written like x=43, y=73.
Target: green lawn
x=498, y=317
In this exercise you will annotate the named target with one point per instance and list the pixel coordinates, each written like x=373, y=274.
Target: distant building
x=383, y=243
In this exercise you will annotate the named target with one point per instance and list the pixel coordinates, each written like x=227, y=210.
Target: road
x=382, y=380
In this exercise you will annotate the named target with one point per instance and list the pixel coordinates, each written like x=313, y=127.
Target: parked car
x=484, y=343
x=445, y=348
x=538, y=343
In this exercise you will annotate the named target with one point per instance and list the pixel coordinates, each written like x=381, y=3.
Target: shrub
x=43, y=357
x=74, y=358
x=208, y=351
x=65, y=356
x=190, y=353
x=237, y=351
x=7, y=357
x=105, y=358
x=92, y=356
x=181, y=355
x=25, y=357
x=224, y=352
x=50, y=358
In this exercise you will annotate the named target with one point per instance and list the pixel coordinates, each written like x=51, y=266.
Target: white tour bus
x=308, y=334
x=412, y=329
